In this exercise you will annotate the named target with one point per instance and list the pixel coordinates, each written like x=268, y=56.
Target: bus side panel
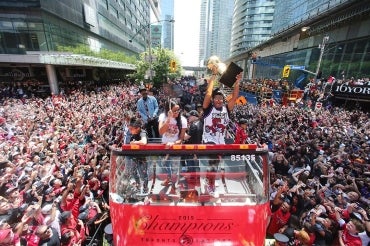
x=189, y=225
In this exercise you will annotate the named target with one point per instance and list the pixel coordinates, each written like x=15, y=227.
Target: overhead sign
x=295, y=67
x=156, y=35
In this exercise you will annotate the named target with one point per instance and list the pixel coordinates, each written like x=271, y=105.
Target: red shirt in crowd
x=348, y=238
x=278, y=219
x=72, y=205
x=240, y=135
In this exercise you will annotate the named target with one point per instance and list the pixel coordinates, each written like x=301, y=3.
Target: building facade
x=42, y=25
x=252, y=24
x=302, y=32
x=215, y=25
x=31, y=30
x=167, y=13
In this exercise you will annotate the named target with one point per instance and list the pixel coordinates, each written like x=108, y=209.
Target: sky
x=186, y=30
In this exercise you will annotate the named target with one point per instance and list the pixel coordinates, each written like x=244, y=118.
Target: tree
x=103, y=53
x=161, y=71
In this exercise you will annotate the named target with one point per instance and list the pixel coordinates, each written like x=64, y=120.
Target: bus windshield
x=188, y=176
x=189, y=195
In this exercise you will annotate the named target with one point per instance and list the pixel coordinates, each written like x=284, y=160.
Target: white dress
x=172, y=133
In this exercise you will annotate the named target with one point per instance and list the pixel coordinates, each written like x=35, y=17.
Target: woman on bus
x=172, y=128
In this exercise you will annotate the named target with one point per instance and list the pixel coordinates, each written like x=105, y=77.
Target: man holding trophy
x=216, y=114
x=216, y=110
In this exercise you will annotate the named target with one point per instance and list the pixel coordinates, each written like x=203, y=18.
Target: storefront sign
x=351, y=92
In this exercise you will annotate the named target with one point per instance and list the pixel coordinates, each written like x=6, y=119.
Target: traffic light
x=286, y=71
x=173, y=65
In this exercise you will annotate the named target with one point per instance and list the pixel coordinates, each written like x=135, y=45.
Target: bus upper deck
x=168, y=196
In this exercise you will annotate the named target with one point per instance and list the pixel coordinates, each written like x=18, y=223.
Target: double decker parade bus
x=189, y=195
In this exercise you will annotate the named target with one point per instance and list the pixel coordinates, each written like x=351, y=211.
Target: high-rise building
x=326, y=37
x=32, y=32
x=42, y=25
x=215, y=26
x=252, y=23
x=167, y=13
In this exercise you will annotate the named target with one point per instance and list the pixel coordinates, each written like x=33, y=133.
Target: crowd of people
x=55, y=152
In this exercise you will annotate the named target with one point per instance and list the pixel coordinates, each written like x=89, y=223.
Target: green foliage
x=161, y=59
x=103, y=53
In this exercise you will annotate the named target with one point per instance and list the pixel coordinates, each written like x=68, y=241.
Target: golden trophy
x=226, y=74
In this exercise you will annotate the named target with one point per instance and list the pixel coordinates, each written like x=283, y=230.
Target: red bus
x=189, y=195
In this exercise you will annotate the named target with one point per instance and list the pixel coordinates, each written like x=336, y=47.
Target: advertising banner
x=350, y=92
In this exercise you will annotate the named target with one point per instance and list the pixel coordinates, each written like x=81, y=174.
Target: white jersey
x=172, y=133
x=215, y=123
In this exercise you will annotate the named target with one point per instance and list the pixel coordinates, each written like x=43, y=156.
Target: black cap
x=24, y=179
x=193, y=113
x=11, y=190
x=135, y=122
x=64, y=216
x=217, y=91
x=38, y=184
x=48, y=190
x=242, y=121
x=187, y=108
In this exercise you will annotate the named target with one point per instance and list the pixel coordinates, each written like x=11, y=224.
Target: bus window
x=188, y=186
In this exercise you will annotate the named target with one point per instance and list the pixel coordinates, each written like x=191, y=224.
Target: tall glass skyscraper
x=33, y=32
x=215, y=25
x=252, y=23
x=167, y=13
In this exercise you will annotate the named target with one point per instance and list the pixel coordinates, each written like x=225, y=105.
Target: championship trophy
x=227, y=74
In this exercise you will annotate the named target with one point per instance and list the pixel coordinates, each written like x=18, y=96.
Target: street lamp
x=322, y=48
x=150, y=43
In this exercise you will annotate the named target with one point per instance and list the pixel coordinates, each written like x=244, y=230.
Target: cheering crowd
x=54, y=162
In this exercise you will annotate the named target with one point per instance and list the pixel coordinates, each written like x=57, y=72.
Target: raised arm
x=232, y=101
x=208, y=95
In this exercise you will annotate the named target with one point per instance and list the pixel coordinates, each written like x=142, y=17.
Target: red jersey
x=240, y=135
x=73, y=205
x=278, y=220
x=349, y=239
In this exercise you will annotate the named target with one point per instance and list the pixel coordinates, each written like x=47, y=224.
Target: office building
x=326, y=37
x=252, y=23
x=215, y=26
x=33, y=32
x=167, y=13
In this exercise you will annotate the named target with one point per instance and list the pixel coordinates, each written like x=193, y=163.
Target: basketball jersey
x=215, y=123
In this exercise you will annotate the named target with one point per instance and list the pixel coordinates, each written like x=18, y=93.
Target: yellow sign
x=286, y=71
